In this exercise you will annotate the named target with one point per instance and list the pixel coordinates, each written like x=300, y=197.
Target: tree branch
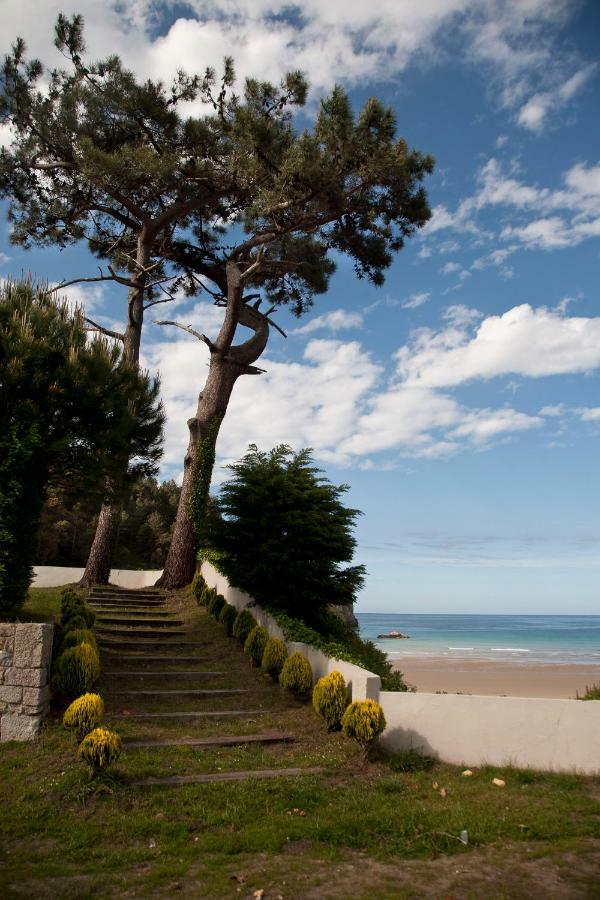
x=190, y=330
x=106, y=331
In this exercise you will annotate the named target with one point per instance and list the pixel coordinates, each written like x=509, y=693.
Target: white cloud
x=4, y=258
x=589, y=414
x=558, y=410
x=449, y=268
x=534, y=113
x=416, y=300
x=485, y=424
x=90, y=297
x=336, y=320
x=523, y=341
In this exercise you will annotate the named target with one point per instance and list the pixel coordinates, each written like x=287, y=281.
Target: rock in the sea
x=394, y=634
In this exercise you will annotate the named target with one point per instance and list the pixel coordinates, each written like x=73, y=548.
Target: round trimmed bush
x=363, y=721
x=243, y=625
x=198, y=585
x=274, y=657
x=72, y=604
x=255, y=644
x=100, y=748
x=76, y=670
x=330, y=699
x=79, y=636
x=296, y=675
x=217, y=602
x=227, y=617
x=84, y=714
x=76, y=622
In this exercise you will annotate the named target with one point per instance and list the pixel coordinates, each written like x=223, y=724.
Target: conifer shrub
x=330, y=699
x=100, y=748
x=198, y=585
x=255, y=644
x=72, y=605
x=227, y=617
x=296, y=675
x=79, y=636
x=84, y=714
x=76, y=670
x=363, y=720
x=76, y=622
x=243, y=625
x=216, y=604
x=274, y=657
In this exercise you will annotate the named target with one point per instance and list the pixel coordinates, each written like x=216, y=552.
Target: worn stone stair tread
x=204, y=714
x=123, y=620
x=174, y=780
x=114, y=646
x=139, y=657
x=176, y=692
x=224, y=740
x=189, y=673
x=126, y=601
x=109, y=609
x=137, y=632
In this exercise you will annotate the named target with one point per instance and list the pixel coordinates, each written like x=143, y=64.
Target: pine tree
x=237, y=203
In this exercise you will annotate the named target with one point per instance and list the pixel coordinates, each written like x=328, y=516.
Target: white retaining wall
x=55, y=576
x=554, y=735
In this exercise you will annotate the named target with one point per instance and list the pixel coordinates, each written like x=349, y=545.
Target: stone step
x=125, y=620
x=164, y=674
x=103, y=633
x=116, y=589
x=227, y=740
x=180, y=692
x=132, y=610
x=150, y=645
x=175, y=780
x=107, y=599
x=205, y=714
x=140, y=658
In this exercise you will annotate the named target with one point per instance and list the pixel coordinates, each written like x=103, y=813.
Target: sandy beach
x=431, y=674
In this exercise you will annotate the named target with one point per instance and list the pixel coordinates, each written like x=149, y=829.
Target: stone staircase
x=185, y=700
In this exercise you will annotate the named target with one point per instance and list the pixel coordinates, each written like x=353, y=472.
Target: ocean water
x=520, y=639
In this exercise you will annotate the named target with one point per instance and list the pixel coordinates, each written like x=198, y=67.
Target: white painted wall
x=55, y=576
x=555, y=735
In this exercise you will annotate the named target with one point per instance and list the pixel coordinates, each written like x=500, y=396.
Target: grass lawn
x=41, y=605
x=359, y=830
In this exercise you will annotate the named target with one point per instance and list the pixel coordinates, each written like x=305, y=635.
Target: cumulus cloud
x=534, y=113
x=336, y=320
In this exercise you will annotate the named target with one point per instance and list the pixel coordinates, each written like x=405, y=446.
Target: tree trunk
x=227, y=363
x=97, y=568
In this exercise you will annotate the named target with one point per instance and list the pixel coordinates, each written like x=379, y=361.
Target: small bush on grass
x=410, y=761
x=76, y=623
x=100, y=748
x=217, y=602
x=243, y=625
x=591, y=693
x=255, y=644
x=296, y=675
x=330, y=699
x=227, y=617
x=198, y=586
x=274, y=657
x=79, y=636
x=84, y=714
x=76, y=670
x=73, y=605
x=363, y=721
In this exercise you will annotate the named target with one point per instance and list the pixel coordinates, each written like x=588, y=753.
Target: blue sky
x=461, y=400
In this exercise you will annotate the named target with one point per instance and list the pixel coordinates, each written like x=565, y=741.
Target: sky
x=460, y=401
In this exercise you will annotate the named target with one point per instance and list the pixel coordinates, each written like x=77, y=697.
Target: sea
x=519, y=639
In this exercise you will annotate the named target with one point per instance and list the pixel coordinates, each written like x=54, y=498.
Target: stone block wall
x=25, y=656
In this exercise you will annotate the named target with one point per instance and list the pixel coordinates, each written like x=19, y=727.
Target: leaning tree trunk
x=227, y=363
x=97, y=568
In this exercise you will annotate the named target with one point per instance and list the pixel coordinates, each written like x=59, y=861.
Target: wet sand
x=431, y=674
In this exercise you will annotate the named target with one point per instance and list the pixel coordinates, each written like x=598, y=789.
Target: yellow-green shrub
x=274, y=657
x=363, y=721
x=216, y=604
x=255, y=644
x=227, y=617
x=198, y=586
x=296, y=675
x=79, y=636
x=76, y=670
x=84, y=714
x=243, y=625
x=100, y=748
x=330, y=699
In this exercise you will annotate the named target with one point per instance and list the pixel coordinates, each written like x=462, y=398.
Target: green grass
x=592, y=692
x=41, y=605
x=338, y=834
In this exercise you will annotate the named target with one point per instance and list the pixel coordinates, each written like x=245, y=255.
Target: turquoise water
x=523, y=639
